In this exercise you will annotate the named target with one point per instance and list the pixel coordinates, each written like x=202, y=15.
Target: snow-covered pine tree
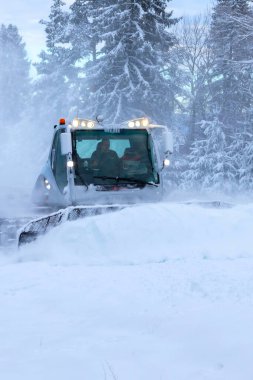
x=246, y=168
x=53, y=98
x=231, y=88
x=82, y=31
x=127, y=79
x=14, y=75
x=82, y=36
x=231, y=44
x=194, y=59
x=210, y=165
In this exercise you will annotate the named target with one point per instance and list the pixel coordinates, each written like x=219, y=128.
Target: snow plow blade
x=38, y=227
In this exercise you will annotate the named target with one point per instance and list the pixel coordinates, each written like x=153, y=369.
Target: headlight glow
x=75, y=123
x=166, y=162
x=145, y=122
x=137, y=123
x=90, y=124
x=131, y=124
x=47, y=184
x=70, y=164
x=84, y=123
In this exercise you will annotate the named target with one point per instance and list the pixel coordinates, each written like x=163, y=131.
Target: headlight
x=84, y=123
x=90, y=124
x=70, y=164
x=138, y=123
x=131, y=124
x=75, y=123
x=47, y=184
x=145, y=122
x=166, y=162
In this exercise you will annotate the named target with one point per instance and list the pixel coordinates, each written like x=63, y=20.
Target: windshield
x=119, y=157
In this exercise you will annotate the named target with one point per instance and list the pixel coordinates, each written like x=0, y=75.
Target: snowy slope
x=151, y=292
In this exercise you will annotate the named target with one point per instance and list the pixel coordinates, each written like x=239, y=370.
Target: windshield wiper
x=131, y=180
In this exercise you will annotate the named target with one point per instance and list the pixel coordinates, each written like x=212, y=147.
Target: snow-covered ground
x=151, y=292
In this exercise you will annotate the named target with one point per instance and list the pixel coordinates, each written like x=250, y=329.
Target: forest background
x=126, y=60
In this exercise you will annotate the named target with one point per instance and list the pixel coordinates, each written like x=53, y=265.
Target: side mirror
x=168, y=139
x=66, y=143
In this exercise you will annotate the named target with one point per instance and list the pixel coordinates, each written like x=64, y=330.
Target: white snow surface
x=150, y=292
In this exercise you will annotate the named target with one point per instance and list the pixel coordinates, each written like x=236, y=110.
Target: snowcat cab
x=93, y=164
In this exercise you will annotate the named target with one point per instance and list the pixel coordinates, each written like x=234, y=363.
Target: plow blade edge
x=38, y=227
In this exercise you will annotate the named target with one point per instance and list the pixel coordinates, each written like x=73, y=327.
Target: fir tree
x=53, y=97
x=210, y=165
x=231, y=44
x=230, y=99
x=14, y=75
x=245, y=163
x=82, y=36
x=82, y=31
x=194, y=59
x=128, y=79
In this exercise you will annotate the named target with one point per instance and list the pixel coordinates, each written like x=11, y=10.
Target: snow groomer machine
x=93, y=169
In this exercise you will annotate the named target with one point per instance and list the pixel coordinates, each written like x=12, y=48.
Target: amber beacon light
x=62, y=122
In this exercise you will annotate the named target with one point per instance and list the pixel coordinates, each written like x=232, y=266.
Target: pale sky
x=25, y=14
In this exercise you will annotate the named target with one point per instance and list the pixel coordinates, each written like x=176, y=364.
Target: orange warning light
x=62, y=122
